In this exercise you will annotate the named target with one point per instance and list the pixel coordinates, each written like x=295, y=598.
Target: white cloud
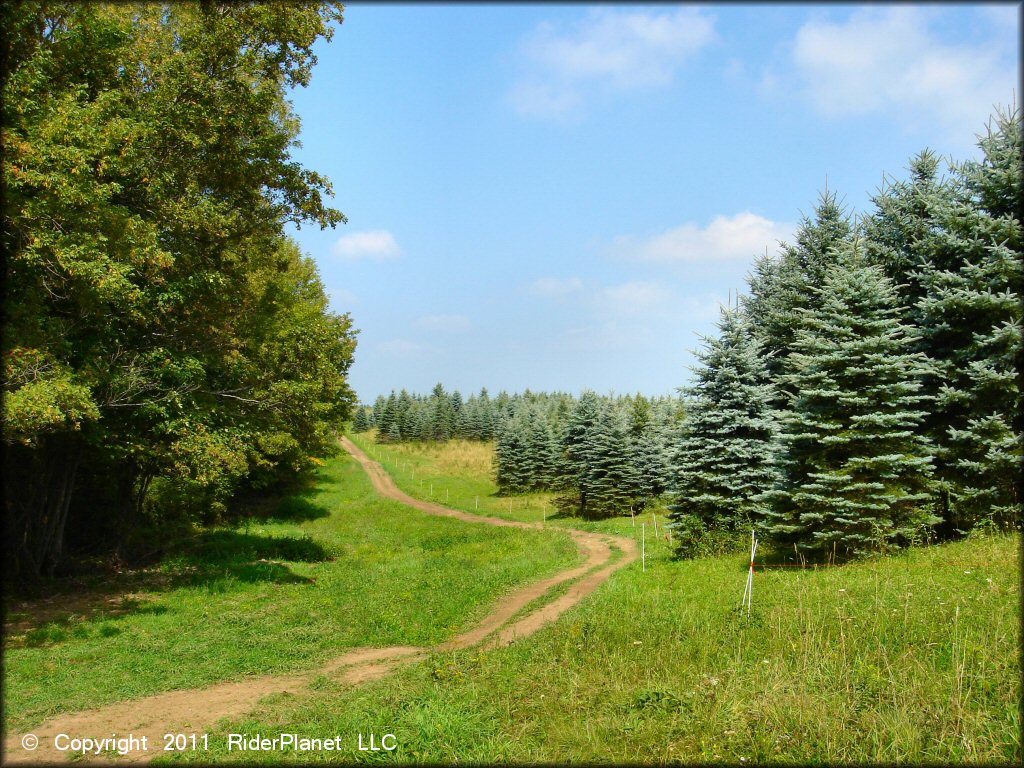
x=617, y=50
x=444, y=323
x=742, y=236
x=553, y=287
x=376, y=244
x=889, y=60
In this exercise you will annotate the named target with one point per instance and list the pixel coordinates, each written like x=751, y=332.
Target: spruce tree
x=783, y=285
x=648, y=453
x=855, y=470
x=971, y=322
x=724, y=460
x=361, y=421
x=541, y=450
x=608, y=483
x=378, y=410
x=511, y=458
x=575, y=453
x=903, y=233
x=388, y=428
x=442, y=416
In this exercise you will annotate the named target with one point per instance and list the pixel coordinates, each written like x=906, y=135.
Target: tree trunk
x=39, y=482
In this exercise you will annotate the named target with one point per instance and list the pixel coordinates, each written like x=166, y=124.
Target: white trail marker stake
x=476, y=502
x=643, y=546
x=655, y=519
x=445, y=495
x=748, y=591
x=632, y=516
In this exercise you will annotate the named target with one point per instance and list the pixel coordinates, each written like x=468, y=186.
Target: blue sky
x=561, y=197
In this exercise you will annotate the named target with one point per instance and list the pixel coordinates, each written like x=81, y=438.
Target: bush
x=692, y=539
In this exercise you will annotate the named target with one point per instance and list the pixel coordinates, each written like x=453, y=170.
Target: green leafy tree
x=147, y=177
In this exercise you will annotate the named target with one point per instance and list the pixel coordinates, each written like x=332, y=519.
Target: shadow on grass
x=230, y=554
x=296, y=509
x=789, y=561
x=294, y=503
x=212, y=560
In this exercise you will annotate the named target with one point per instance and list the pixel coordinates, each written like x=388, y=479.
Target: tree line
x=166, y=346
x=601, y=453
x=864, y=393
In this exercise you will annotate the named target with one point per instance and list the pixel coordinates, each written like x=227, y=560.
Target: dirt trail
x=199, y=710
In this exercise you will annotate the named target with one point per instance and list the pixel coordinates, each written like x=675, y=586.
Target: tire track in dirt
x=199, y=710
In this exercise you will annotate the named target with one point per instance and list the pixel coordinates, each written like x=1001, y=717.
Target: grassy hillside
x=912, y=657
x=335, y=567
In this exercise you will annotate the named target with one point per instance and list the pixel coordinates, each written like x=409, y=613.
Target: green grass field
x=908, y=658
x=912, y=657
x=335, y=567
x=459, y=474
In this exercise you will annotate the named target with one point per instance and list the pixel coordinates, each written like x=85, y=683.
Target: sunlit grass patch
x=280, y=595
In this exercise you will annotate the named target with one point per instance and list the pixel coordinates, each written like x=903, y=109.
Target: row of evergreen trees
x=866, y=392
x=441, y=415
x=603, y=454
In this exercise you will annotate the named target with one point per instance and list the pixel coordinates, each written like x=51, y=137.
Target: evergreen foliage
x=971, y=322
x=855, y=470
x=724, y=460
x=361, y=422
x=783, y=285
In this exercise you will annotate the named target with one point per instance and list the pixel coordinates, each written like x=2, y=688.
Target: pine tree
x=724, y=461
x=971, y=322
x=511, y=458
x=783, y=285
x=855, y=471
x=608, y=484
x=361, y=421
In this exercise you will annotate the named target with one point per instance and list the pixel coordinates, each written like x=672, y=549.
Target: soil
x=199, y=710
